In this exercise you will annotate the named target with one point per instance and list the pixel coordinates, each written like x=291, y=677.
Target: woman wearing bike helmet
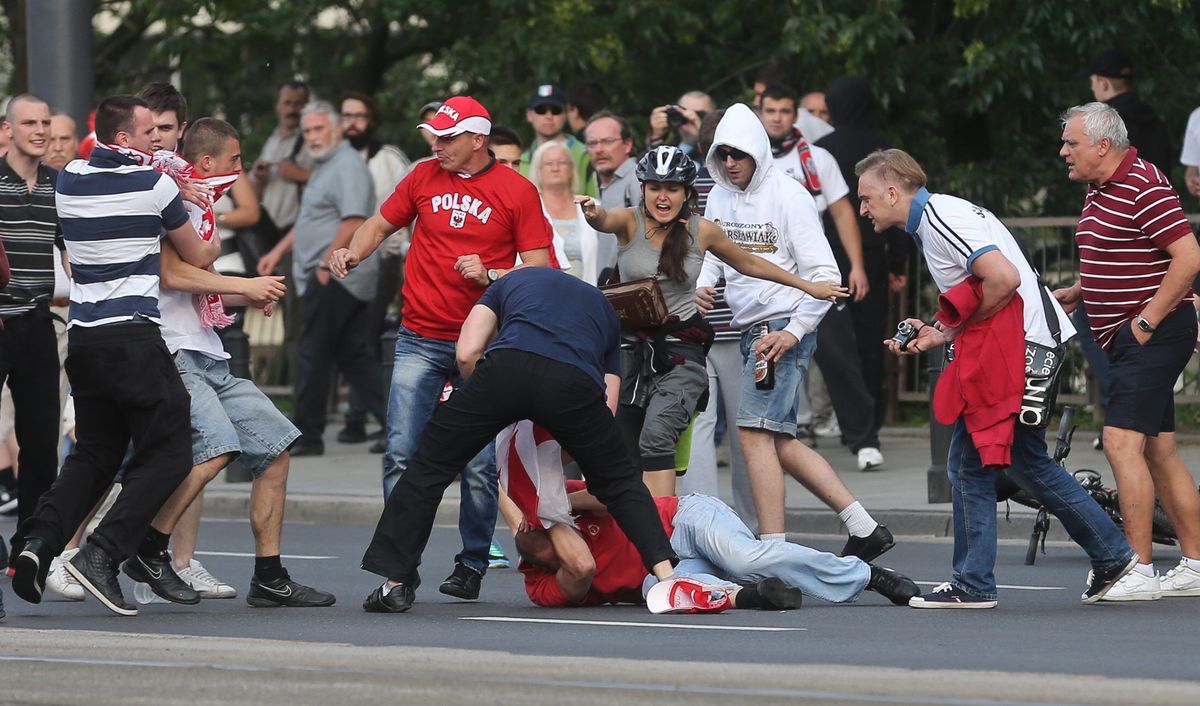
x=664, y=379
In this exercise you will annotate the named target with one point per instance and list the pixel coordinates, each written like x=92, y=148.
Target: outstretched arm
x=713, y=239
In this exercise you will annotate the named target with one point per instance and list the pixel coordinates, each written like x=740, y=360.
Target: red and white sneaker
x=684, y=595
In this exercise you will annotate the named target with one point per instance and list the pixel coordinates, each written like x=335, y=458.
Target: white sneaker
x=869, y=458
x=209, y=586
x=1134, y=586
x=829, y=427
x=61, y=581
x=1181, y=581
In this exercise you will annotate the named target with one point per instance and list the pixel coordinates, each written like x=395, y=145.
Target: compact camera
x=905, y=333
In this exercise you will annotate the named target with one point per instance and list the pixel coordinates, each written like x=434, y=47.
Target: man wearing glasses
x=610, y=146
x=547, y=114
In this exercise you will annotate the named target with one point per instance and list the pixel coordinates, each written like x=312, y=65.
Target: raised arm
x=619, y=221
x=365, y=240
x=714, y=240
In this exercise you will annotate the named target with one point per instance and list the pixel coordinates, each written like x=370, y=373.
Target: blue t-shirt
x=552, y=314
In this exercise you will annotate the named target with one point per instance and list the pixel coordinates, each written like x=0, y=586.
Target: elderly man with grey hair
x=333, y=313
x=1137, y=261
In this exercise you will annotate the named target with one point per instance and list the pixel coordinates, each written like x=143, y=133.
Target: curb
x=361, y=510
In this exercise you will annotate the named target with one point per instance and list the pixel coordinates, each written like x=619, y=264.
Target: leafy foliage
x=972, y=88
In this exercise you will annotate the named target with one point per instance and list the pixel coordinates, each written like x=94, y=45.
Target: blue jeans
x=715, y=546
x=973, y=494
x=422, y=367
x=776, y=409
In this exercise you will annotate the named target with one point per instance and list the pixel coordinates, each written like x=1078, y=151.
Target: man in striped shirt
x=1137, y=261
x=28, y=344
x=113, y=210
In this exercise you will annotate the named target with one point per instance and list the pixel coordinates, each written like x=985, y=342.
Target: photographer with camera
x=679, y=123
x=1004, y=314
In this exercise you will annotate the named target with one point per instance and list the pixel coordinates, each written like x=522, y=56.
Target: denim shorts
x=231, y=415
x=776, y=409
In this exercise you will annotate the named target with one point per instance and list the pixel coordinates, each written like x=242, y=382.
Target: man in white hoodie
x=771, y=215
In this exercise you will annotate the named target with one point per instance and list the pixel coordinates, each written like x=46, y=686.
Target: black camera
x=675, y=117
x=905, y=333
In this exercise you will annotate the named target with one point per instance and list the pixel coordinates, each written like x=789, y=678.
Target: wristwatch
x=1143, y=324
x=493, y=275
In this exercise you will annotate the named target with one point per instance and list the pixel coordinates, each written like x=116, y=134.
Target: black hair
x=161, y=97
x=502, y=135
x=115, y=114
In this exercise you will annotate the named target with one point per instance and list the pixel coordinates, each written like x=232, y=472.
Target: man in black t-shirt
x=539, y=345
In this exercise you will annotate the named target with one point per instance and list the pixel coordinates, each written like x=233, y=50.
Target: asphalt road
x=1040, y=646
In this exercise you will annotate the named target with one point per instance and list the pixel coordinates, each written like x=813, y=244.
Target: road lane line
x=251, y=554
x=628, y=624
x=1002, y=585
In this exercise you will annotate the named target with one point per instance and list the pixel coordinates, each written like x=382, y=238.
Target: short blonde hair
x=539, y=156
x=895, y=166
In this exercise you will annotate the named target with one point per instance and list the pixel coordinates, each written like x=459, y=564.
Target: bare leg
x=766, y=478
x=1125, y=450
x=172, y=511
x=1177, y=490
x=267, y=496
x=660, y=483
x=813, y=472
x=187, y=533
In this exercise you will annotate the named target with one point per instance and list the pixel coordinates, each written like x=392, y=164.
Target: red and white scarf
x=204, y=220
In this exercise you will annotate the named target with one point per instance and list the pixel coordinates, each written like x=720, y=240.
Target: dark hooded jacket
x=851, y=108
x=1146, y=131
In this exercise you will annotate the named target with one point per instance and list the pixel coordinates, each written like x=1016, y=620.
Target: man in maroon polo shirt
x=1137, y=260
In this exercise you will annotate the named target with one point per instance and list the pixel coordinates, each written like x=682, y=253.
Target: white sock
x=385, y=588
x=1193, y=564
x=1146, y=570
x=857, y=520
x=781, y=536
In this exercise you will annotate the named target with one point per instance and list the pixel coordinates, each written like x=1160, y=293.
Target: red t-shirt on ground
x=494, y=214
x=1123, y=233
x=619, y=568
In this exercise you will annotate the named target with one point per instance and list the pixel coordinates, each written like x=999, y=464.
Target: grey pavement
x=344, y=486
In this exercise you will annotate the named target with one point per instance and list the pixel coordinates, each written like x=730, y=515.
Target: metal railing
x=1050, y=243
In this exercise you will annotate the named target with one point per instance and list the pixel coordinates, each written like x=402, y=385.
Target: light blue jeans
x=973, y=497
x=422, y=367
x=715, y=546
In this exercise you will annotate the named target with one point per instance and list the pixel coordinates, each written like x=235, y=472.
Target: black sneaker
x=352, y=434
x=949, y=596
x=871, y=547
x=774, y=594
x=285, y=592
x=30, y=569
x=8, y=501
x=462, y=583
x=892, y=585
x=311, y=448
x=1099, y=585
x=157, y=573
x=96, y=571
x=378, y=446
x=398, y=599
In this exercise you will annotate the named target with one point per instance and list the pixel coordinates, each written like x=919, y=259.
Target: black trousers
x=29, y=364
x=508, y=386
x=334, y=330
x=126, y=388
x=870, y=328
x=837, y=354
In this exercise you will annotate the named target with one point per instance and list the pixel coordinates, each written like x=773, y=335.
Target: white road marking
x=626, y=624
x=1001, y=585
x=251, y=555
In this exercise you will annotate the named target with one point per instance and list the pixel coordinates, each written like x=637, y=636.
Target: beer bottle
x=764, y=370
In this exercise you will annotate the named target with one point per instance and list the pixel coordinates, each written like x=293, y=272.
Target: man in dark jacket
x=885, y=256
x=1111, y=74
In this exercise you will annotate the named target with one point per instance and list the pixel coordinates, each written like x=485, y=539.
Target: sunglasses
x=553, y=109
x=723, y=153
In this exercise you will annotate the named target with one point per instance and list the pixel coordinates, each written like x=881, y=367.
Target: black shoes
x=397, y=599
x=378, y=446
x=157, y=573
x=284, y=592
x=30, y=569
x=894, y=586
x=462, y=583
x=307, y=448
x=1100, y=584
x=352, y=434
x=869, y=548
x=774, y=594
x=96, y=571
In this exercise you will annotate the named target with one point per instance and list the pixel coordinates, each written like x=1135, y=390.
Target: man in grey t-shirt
x=334, y=326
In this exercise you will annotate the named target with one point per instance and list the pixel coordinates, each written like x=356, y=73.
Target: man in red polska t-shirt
x=473, y=218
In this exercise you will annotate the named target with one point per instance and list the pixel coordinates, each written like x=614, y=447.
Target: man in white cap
x=473, y=217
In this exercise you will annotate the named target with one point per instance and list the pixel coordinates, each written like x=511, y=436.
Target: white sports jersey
x=952, y=233
x=833, y=184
